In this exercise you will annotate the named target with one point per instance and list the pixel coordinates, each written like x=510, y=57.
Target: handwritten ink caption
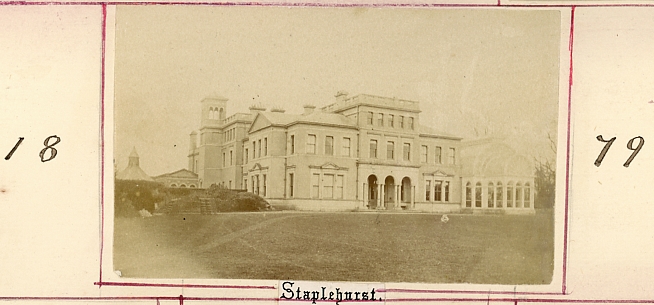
x=630, y=146
x=46, y=154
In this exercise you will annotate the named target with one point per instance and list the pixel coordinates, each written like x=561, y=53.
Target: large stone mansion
x=360, y=152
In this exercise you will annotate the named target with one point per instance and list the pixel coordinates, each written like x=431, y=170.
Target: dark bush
x=213, y=199
x=132, y=196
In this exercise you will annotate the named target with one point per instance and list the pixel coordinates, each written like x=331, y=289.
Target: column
x=381, y=196
x=413, y=196
x=364, y=195
x=380, y=200
x=397, y=197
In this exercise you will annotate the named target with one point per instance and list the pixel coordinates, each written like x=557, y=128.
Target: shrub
x=216, y=199
x=130, y=197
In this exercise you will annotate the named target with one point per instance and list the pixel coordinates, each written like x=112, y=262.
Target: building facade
x=360, y=152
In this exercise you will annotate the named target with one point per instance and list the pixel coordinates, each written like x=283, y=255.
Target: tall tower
x=207, y=161
x=213, y=111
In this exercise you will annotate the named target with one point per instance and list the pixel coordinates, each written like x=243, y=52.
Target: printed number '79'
x=630, y=146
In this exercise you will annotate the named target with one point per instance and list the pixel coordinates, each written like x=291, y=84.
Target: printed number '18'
x=53, y=151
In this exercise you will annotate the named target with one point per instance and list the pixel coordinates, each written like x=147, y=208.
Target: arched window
x=468, y=195
x=527, y=195
x=518, y=195
x=182, y=185
x=478, y=195
x=509, y=195
x=173, y=185
x=499, y=199
x=220, y=114
x=491, y=194
x=192, y=186
x=211, y=113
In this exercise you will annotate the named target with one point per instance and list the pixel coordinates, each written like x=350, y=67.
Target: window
x=380, y=120
x=411, y=123
x=265, y=146
x=478, y=195
x=264, y=192
x=230, y=184
x=427, y=190
x=311, y=144
x=373, y=148
x=329, y=145
x=452, y=156
x=407, y=152
x=245, y=183
x=292, y=144
x=253, y=189
x=315, y=185
x=499, y=199
x=437, y=190
x=346, y=147
x=518, y=195
x=259, y=148
x=245, y=157
x=509, y=195
x=369, y=118
x=339, y=187
x=438, y=152
x=401, y=121
x=468, y=195
x=423, y=154
x=224, y=160
x=257, y=176
x=254, y=149
x=391, y=120
x=390, y=150
x=446, y=191
x=290, y=184
x=491, y=194
x=231, y=157
x=328, y=186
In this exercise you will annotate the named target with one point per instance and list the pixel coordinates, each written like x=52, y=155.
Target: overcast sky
x=484, y=69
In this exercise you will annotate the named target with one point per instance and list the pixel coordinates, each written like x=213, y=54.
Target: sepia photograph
x=404, y=145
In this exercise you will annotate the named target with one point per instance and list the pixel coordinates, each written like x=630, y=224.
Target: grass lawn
x=323, y=246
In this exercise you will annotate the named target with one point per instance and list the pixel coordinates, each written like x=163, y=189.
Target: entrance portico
x=388, y=188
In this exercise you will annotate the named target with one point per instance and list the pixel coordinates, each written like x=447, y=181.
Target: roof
x=493, y=158
x=285, y=120
x=133, y=154
x=182, y=173
x=133, y=172
x=428, y=131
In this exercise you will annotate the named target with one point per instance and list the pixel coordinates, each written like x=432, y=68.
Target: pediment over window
x=258, y=167
x=438, y=173
x=328, y=165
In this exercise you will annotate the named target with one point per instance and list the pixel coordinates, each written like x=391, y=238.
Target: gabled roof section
x=327, y=119
x=182, y=173
x=267, y=119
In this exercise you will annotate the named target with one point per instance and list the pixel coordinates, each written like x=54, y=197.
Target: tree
x=545, y=179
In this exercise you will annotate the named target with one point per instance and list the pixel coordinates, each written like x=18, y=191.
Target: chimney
x=254, y=109
x=308, y=109
x=341, y=96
